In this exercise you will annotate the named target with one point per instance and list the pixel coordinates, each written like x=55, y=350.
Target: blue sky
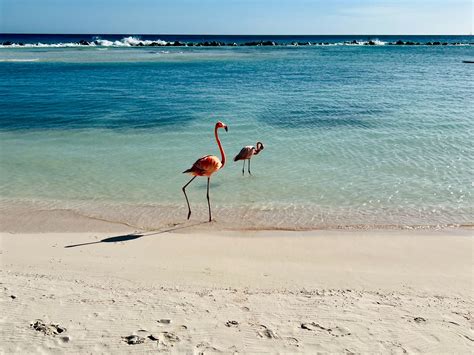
x=238, y=16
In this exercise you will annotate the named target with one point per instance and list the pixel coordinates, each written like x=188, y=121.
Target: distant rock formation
x=159, y=43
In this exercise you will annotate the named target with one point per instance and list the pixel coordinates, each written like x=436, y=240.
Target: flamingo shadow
x=132, y=236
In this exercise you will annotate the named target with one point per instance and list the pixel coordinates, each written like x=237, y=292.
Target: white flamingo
x=246, y=153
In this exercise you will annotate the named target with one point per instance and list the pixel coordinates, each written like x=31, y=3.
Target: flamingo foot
x=189, y=214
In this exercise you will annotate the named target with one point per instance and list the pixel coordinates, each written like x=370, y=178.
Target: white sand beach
x=202, y=290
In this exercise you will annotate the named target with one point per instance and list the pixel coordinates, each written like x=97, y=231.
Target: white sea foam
x=124, y=42
x=127, y=42
x=131, y=41
x=19, y=60
x=379, y=43
x=41, y=45
x=373, y=42
x=135, y=41
x=104, y=42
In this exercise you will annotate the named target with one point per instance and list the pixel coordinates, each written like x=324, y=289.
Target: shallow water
x=353, y=134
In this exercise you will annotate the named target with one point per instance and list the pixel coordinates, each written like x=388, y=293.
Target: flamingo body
x=247, y=152
x=205, y=166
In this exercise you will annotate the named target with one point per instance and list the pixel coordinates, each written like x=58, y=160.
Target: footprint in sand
x=292, y=341
x=340, y=331
x=166, y=339
x=419, y=319
x=133, y=339
x=170, y=337
x=267, y=333
x=312, y=326
x=205, y=347
x=232, y=323
x=164, y=321
x=335, y=331
x=47, y=329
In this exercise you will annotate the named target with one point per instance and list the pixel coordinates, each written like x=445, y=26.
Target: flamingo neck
x=220, y=147
x=257, y=149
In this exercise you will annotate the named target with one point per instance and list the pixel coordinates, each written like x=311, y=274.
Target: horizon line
x=223, y=34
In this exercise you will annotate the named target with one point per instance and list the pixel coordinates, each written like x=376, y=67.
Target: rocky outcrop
x=270, y=43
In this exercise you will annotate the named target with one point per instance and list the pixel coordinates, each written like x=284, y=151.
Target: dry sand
x=198, y=290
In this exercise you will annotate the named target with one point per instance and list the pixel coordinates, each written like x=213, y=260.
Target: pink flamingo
x=247, y=153
x=206, y=166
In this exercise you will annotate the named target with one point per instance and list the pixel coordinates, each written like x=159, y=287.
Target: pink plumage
x=206, y=166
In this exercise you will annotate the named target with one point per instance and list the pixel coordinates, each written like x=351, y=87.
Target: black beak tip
x=226, y=129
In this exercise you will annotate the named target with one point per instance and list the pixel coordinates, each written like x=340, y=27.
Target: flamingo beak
x=225, y=127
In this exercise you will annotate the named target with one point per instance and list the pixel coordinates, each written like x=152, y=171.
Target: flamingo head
x=219, y=124
x=260, y=146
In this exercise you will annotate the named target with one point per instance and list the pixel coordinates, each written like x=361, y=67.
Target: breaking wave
x=14, y=60
x=131, y=41
x=97, y=42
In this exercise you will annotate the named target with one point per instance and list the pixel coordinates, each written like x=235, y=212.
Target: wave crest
x=97, y=42
x=132, y=41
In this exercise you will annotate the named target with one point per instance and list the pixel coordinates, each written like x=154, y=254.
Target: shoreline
x=225, y=291
x=52, y=216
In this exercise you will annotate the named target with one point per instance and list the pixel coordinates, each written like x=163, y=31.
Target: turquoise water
x=354, y=135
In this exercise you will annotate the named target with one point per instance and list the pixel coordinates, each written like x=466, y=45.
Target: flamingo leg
x=208, y=201
x=243, y=168
x=187, y=201
x=249, y=168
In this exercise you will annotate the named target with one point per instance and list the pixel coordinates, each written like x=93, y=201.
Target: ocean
x=355, y=135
